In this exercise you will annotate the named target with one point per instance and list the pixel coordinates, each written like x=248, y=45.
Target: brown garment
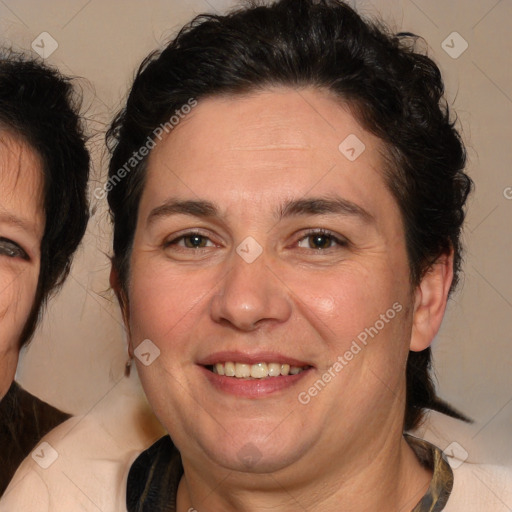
x=24, y=420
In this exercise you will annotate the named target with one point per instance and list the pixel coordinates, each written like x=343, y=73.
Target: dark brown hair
x=39, y=105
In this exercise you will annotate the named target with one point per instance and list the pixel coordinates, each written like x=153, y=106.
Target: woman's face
x=21, y=231
x=267, y=241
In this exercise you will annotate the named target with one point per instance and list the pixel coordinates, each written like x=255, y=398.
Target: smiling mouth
x=254, y=371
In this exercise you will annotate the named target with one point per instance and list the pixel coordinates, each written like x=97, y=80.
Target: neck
x=385, y=476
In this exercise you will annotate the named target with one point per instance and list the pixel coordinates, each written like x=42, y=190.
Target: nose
x=250, y=296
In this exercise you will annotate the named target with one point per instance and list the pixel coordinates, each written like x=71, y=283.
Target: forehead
x=275, y=142
x=270, y=123
x=21, y=183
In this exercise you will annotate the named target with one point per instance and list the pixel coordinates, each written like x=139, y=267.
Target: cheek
x=164, y=309
x=344, y=304
x=163, y=304
x=365, y=327
x=364, y=320
x=16, y=299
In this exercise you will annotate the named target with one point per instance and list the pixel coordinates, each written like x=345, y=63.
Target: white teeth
x=242, y=371
x=259, y=371
x=255, y=371
x=274, y=369
x=229, y=369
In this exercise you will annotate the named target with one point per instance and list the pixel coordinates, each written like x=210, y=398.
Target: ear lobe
x=431, y=297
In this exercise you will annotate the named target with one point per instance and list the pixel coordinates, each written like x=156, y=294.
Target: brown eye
x=195, y=241
x=190, y=241
x=320, y=241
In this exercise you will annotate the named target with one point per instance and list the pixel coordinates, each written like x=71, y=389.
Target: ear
x=431, y=297
x=123, y=302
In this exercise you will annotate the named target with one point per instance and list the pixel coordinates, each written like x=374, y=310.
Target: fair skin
x=267, y=166
x=21, y=232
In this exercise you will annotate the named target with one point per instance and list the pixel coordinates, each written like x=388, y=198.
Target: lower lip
x=253, y=388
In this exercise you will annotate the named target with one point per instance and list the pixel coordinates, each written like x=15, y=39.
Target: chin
x=250, y=452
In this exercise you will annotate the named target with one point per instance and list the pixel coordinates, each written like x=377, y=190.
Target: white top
x=82, y=465
x=87, y=460
x=477, y=486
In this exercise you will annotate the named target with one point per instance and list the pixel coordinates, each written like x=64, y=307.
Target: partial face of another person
x=261, y=246
x=21, y=231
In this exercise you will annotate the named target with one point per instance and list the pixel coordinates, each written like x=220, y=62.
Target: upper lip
x=250, y=358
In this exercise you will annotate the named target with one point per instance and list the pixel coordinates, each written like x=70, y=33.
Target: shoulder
x=83, y=463
x=481, y=481
x=480, y=487
x=24, y=420
x=38, y=417
x=69, y=470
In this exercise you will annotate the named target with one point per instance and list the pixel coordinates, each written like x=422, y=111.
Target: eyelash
x=182, y=237
x=11, y=249
x=340, y=241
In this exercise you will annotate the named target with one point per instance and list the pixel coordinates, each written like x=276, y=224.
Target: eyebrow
x=13, y=220
x=321, y=206
x=175, y=207
x=299, y=207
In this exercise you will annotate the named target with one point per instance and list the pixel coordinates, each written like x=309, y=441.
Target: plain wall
x=79, y=352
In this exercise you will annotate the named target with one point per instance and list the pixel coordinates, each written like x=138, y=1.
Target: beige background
x=79, y=352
